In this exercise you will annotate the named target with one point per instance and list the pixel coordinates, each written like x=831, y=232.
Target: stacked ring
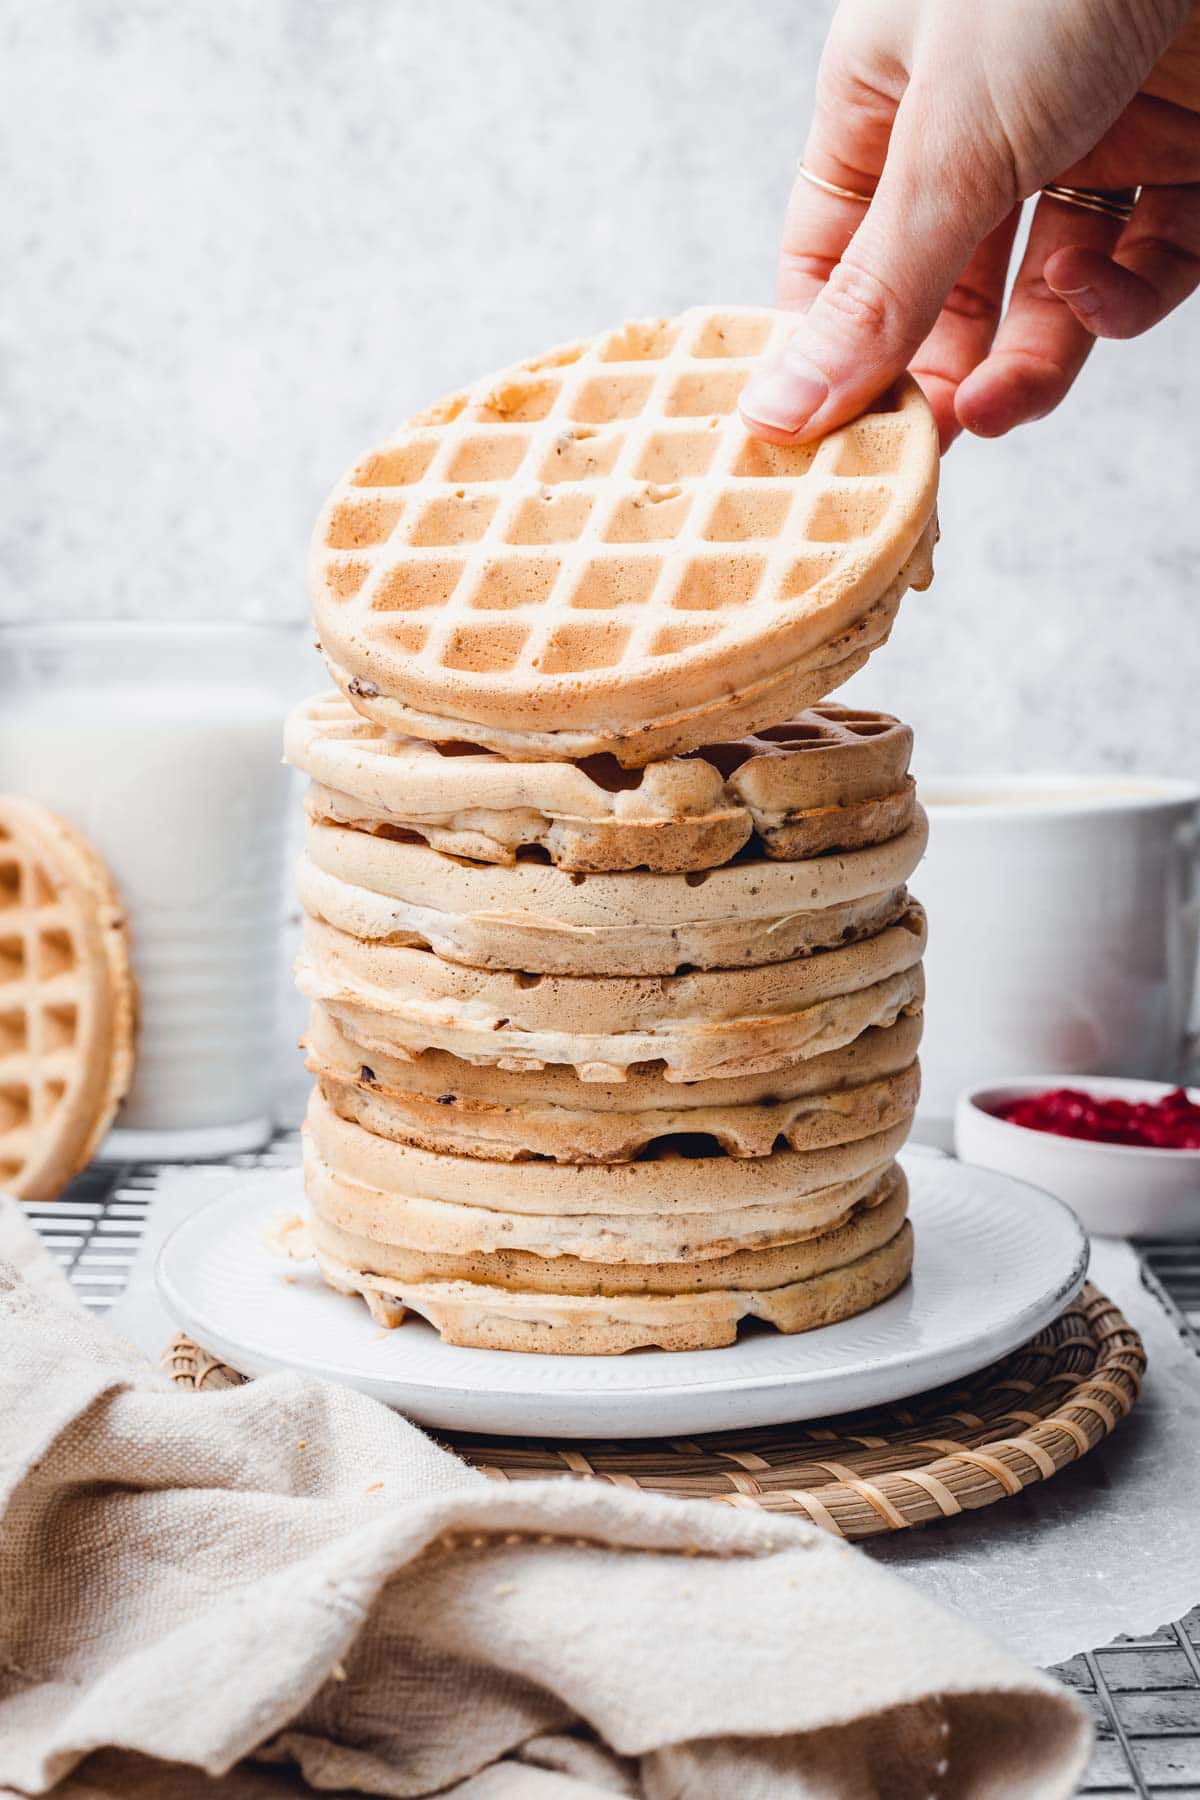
x=1113, y=203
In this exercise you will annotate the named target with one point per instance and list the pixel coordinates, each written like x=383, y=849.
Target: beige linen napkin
x=286, y=1583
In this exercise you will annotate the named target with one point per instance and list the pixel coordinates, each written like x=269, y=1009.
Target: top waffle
x=588, y=553
x=67, y=1001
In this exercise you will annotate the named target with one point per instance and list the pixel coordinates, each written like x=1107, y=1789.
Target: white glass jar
x=161, y=743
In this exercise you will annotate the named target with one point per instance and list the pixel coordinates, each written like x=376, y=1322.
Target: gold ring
x=1116, y=203
x=831, y=187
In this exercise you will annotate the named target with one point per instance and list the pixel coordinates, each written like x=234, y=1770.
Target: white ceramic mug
x=1062, y=930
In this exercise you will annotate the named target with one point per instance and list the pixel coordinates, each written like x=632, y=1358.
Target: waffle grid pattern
x=1143, y=1693
x=600, y=508
x=41, y=1000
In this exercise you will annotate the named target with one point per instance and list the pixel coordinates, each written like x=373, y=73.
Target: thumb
x=921, y=228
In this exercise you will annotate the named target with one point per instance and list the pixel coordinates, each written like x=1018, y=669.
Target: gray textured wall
x=247, y=238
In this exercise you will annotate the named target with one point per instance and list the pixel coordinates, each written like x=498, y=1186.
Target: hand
x=951, y=112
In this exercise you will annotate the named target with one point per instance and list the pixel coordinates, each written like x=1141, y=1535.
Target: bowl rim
x=1107, y=1086
x=1075, y=794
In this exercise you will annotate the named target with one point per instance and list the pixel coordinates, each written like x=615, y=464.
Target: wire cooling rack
x=1143, y=1693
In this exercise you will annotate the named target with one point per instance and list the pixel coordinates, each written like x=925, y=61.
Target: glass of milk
x=161, y=743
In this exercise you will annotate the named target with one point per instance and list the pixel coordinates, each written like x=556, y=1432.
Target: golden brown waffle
x=439, y=1102
x=546, y=921
x=699, y=1025
x=680, y=1204
x=563, y=1305
x=832, y=778
x=490, y=1318
x=625, y=1253
x=588, y=553
x=67, y=1001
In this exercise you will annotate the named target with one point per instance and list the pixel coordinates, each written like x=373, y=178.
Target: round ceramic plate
x=995, y=1261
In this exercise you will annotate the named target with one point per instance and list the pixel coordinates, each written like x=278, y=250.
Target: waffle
x=815, y=1283
x=544, y=920
x=805, y=1122
x=581, y=1253
x=809, y=1190
x=698, y=1025
x=831, y=779
x=588, y=553
x=67, y=1001
x=440, y=1103
x=587, y=1252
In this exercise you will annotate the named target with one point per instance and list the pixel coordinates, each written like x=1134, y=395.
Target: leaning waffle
x=67, y=1001
x=438, y=1102
x=843, y=1272
x=588, y=553
x=698, y=1025
x=546, y=921
x=833, y=778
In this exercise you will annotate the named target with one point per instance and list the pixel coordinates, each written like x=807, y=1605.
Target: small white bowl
x=1116, y=1190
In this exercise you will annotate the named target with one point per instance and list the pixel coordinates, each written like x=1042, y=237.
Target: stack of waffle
x=615, y=978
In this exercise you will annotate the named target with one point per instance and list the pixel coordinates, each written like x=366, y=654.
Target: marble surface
x=247, y=240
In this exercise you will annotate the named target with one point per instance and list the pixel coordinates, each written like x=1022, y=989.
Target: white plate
x=995, y=1261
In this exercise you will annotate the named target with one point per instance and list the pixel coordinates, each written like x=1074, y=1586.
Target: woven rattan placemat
x=946, y=1452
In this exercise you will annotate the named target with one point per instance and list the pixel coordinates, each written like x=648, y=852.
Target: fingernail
x=1083, y=300
x=785, y=395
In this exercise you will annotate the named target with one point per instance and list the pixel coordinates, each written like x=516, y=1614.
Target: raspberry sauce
x=1172, y=1123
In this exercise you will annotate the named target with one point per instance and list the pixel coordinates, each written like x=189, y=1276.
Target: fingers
x=882, y=297
x=818, y=229
x=816, y=232
x=1041, y=345
x=1152, y=141
x=965, y=327
x=1155, y=265
x=847, y=147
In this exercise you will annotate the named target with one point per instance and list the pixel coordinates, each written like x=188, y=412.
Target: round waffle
x=483, y=1302
x=632, y=1254
x=538, y=918
x=833, y=778
x=806, y=1122
x=440, y=1103
x=411, y=1237
x=812, y=1187
x=588, y=553
x=67, y=1001
x=698, y=1025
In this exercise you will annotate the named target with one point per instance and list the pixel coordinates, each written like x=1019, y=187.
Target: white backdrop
x=242, y=241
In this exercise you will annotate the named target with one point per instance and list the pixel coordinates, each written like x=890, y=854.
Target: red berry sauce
x=1172, y=1123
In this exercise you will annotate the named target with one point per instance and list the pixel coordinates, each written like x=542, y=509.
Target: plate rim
x=968, y=1355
